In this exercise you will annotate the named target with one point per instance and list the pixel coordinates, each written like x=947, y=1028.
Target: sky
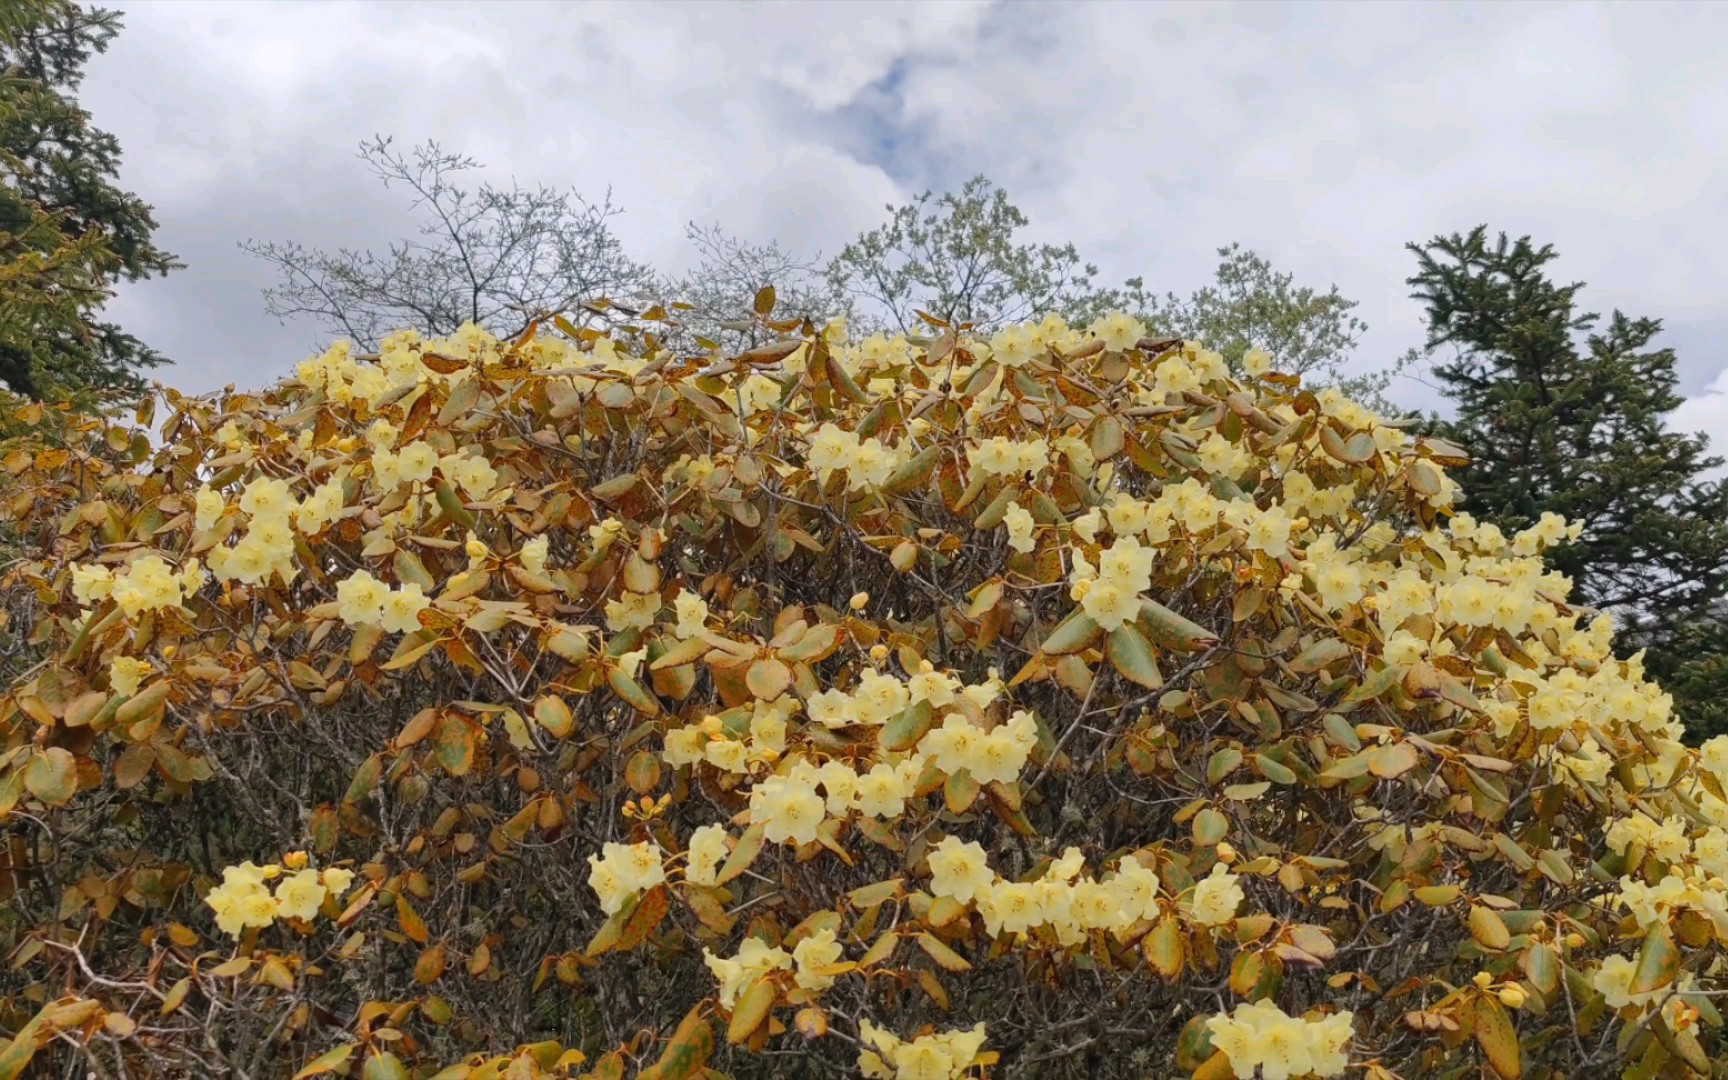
x=1324, y=136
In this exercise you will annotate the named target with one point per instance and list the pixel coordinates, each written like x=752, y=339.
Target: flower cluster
x=1110, y=592
x=243, y=900
x=145, y=584
x=363, y=600
x=867, y=463
x=622, y=871
x=1260, y=1036
x=1002, y=456
x=937, y=1056
x=813, y=963
x=1070, y=905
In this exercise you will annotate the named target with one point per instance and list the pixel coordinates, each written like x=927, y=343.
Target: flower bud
x=1482, y=979
x=295, y=860
x=878, y=653
x=858, y=601
x=1512, y=996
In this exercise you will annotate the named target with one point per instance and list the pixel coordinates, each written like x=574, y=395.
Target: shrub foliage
x=1048, y=703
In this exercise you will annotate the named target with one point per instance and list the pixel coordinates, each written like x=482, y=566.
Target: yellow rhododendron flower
x=707, y=850
x=1216, y=897
x=402, y=608
x=1019, y=523
x=1260, y=1036
x=209, y=507
x=621, y=871
x=360, y=599
x=533, y=555
x=959, y=870
x=299, y=895
x=125, y=673
x=1118, y=331
x=692, y=614
x=816, y=952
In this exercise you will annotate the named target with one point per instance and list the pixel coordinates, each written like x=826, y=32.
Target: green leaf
x=1210, y=827
x=631, y=692
x=452, y=507
x=1348, y=768
x=1489, y=929
x=1072, y=634
x=408, y=567
x=1273, y=771
x=365, y=779
x=1164, y=948
x=1172, y=631
x=385, y=1066
x=1318, y=655
x=946, y=958
x=1392, y=760
x=1543, y=966
x=1107, y=437
x=52, y=775
x=1222, y=764
x=992, y=515
x=1377, y=683
x=1131, y=654
x=914, y=473
x=689, y=1048
x=552, y=714
x=1341, y=733
x=454, y=745
x=904, y=731
x=959, y=791
x=749, y=846
x=1658, y=961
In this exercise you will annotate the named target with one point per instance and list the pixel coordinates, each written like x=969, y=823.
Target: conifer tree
x=68, y=232
x=1561, y=412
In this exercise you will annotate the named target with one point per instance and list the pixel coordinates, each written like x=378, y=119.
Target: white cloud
x=1707, y=412
x=1323, y=135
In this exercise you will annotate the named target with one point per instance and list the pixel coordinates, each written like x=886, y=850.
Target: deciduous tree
x=489, y=256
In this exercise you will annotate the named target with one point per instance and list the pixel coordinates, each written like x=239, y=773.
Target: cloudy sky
x=1324, y=136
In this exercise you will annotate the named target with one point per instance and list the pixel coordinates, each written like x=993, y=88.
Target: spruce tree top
x=1560, y=415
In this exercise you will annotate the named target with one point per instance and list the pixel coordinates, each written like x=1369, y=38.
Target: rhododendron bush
x=1044, y=703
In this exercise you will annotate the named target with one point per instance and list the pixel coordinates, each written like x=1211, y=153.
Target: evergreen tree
x=68, y=233
x=1561, y=413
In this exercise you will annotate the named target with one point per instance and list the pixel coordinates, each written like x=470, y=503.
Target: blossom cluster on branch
x=1047, y=702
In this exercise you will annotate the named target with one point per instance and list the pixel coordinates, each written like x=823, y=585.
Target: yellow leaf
x=751, y=1010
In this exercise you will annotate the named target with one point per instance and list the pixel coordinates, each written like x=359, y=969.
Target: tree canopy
x=494, y=257
x=68, y=233
x=957, y=257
